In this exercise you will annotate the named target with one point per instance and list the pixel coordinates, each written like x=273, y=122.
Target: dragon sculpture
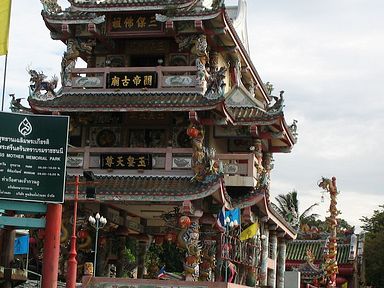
x=38, y=84
x=188, y=238
x=330, y=265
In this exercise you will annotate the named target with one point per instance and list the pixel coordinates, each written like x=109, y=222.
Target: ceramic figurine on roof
x=39, y=84
x=165, y=113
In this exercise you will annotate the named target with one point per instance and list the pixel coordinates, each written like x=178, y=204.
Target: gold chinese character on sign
x=120, y=161
x=130, y=161
x=152, y=22
x=141, y=22
x=125, y=81
x=109, y=161
x=128, y=22
x=136, y=80
x=147, y=80
x=115, y=81
x=116, y=22
x=141, y=162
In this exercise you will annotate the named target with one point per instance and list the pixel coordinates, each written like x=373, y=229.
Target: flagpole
x=5, y=77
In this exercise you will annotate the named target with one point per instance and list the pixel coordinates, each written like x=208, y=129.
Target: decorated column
x=264, y=254
x=273, y=244
x=141, y=251
x=330, y=265
x=189, y=239
x=282, y=248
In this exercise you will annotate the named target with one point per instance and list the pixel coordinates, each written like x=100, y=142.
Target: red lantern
x=170, y=237
x=41, y=234
x=82, y=234
x=192, y=132
x=159, y=240
x=184, y=221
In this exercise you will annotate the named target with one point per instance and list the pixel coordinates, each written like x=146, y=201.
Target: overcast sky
x=328, y=57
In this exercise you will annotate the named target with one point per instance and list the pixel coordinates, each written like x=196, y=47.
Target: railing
x=167, y=78
x=239, y=169
x=165, y=160
x=240, y=252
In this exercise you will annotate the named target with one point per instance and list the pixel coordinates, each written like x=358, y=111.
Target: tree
x=373, y=248
x=288, y=207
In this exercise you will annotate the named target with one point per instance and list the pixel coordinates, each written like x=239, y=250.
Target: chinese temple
x=307, y=257
x=171, y=127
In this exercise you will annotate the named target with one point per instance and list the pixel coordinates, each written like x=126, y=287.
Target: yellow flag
x=249, y=232
x=5, y=15
x=345, y=285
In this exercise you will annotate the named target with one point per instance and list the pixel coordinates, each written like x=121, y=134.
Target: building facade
x=172, y=124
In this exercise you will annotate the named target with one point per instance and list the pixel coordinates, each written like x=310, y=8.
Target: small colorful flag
x=233, y=216
x=5, y=15
x=220, y=219
x=162, y=274
x=249, y=232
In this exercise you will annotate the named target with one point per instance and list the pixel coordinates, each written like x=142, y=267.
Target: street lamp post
x=97, y=222
x=229, y=224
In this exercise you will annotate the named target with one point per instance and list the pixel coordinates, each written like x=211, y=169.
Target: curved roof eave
x=124, y=101
x=279, y=221
x=245, y=56
x=135, y=188
x=127, y=6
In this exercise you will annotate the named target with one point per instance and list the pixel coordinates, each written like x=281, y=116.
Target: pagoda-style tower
x=175, y=123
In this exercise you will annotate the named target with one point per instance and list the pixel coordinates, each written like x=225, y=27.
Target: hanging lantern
x=159, y=239
x=193, y=132
x=102, y=241
x=82, y=234
x=170, y=237
x=184, y=221
x=41, y=234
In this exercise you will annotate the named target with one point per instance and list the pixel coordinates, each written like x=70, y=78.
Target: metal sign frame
x=33, y=155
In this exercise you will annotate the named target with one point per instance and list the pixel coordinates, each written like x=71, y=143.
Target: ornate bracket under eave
x=65, y=31
x=193, y=117
x=254, y=131
x=92, y=28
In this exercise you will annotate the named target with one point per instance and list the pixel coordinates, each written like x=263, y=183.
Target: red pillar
x=51, y=246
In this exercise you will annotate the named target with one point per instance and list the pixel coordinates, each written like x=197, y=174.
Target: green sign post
x=33, y=154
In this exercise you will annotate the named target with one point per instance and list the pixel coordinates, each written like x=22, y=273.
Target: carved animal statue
x=38, y=83
x=215, y=84
x=278, y=105
x=51, y=6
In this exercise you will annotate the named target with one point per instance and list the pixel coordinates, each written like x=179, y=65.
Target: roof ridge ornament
x=51, y=6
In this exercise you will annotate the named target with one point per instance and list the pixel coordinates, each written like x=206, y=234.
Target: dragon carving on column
x=330, y=265
x=203, y=164
x=75, y=48
x=188, y=238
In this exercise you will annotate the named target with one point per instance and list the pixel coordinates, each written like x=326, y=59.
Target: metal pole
x=97, y=236
x=5, y=77
x=227, y=249
x=72, y=262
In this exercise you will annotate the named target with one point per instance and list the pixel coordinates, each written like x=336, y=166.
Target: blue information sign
x=21, y=245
